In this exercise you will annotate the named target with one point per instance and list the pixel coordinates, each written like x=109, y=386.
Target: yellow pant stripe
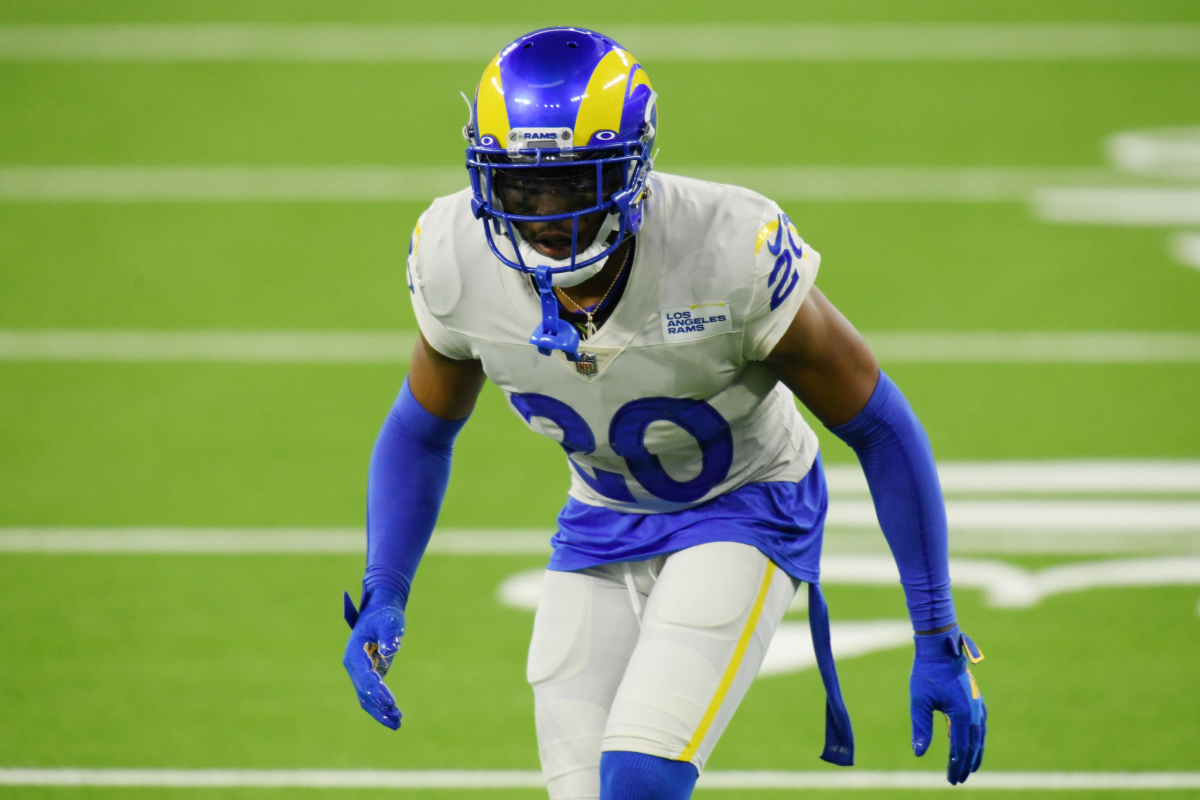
x=731, y=671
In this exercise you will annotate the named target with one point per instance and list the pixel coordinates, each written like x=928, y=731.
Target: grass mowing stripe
x=937, y=42
x=382, y=183
x=909, y=347
x=501, y=779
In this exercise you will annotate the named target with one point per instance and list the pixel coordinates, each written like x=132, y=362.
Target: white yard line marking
x=916, y=347
x=503, y=541
x=1148, y=206
x=213, y=346
x=532, y=779
x=1004, y=585
x=1028, y=542
x=332, y=184
x=938, y=42
x=996, y=525
x=281, y=778
x=382, y=183
x=1042, y=515
x=899, y=184
x=1173, y=152
x=854, y=779
x=1034, y=347
x=977, y=525
x=1008, y=586
x=791, y=648
x=1043, y=477
x=248, y=541
x=1159, y=153
x=1186, y=249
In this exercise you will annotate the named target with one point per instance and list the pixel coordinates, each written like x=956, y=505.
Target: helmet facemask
x=585, y=189
x=559, y=214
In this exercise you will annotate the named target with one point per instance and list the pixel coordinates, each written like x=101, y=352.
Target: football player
x=673, y=323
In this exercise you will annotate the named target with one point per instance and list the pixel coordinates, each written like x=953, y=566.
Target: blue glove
x=375, y=634
x=942, y=682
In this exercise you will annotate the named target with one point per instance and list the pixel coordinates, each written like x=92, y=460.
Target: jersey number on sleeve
x=627, y=437
x=783, y=263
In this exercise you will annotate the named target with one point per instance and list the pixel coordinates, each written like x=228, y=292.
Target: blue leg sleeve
x=637, y=776
x=896, y=457
x=410, y=467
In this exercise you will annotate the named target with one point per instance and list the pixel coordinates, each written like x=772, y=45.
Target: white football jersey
x=669, y=405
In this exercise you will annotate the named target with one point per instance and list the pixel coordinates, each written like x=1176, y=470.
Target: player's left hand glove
x=375, y=633
x=942, y=682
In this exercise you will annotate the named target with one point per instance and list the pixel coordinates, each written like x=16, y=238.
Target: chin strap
x=553, y=333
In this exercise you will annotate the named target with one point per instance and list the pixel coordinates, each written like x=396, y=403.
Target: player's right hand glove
x=375, y=633
x=942, y=682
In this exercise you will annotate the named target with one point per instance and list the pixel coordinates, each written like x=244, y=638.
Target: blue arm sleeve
x=896, y=457
x=410, y=467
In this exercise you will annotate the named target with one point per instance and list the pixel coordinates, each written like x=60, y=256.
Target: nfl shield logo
x=586, y=364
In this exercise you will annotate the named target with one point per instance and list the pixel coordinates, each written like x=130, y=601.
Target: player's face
x=554, y=190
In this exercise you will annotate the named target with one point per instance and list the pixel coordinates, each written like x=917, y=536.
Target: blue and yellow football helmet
x=571, y=108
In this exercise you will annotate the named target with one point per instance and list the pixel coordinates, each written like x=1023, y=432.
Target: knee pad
x=637, y=776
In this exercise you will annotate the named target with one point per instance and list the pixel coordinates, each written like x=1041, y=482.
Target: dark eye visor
x=555, y=187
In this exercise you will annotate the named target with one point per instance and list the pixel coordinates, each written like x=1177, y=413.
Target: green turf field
x=233, y=661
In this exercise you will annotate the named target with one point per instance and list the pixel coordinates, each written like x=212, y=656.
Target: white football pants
x=650, y=656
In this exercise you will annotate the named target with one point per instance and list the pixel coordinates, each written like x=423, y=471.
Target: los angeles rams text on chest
x=695, y=322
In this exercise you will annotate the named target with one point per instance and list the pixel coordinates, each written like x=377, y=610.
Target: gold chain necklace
x=590, y=326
